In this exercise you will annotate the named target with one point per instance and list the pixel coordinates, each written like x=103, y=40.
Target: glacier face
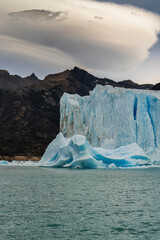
x=76, y=152
x=114, y=117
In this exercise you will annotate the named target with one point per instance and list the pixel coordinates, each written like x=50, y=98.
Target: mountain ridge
x=14, y=82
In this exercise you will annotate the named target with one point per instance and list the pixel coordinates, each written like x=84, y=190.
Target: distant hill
x=29, y=110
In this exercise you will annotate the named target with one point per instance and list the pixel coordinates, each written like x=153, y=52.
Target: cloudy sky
x=118, y=39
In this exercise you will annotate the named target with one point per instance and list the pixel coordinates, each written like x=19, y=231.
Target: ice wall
x=114, y=117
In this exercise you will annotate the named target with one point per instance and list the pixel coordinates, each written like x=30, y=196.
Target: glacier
x=110, y=128
x=114, y=117
x=76, y=152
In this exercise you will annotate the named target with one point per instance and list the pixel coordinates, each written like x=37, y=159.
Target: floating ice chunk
x=18, y=163
x=76, y=152
x=111, y=166
x=23, y=163
x=2, y=162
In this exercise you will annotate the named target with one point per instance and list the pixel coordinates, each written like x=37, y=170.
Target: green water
x=38, y=203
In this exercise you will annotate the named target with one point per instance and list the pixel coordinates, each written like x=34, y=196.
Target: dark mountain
x=13, y=82
x=29, y=108
x=156, y=87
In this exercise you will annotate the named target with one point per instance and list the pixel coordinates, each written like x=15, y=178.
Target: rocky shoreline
x=20, y=158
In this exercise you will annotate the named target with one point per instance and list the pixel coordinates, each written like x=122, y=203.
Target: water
x=38, y=204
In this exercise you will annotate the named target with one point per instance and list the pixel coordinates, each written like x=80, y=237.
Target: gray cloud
x=98, y=17
x=103, y=38
x=35, y=15
x=24, y=58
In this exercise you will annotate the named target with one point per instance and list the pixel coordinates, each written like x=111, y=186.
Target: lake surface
x=39, y=203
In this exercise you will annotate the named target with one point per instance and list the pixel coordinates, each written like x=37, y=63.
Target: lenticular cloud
x=101, y=36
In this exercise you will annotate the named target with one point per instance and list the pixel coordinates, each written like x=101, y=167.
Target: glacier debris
x=114, y=117
x=76, y=152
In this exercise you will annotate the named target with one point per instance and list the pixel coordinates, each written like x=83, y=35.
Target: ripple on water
x=63, y=204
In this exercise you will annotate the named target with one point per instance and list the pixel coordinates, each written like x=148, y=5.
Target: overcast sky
x=107, y=38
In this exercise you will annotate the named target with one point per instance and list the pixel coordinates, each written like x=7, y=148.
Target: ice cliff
x=114, y=117
x=76, y=152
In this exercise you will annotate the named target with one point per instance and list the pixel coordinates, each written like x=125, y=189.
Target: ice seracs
x=76, y=152
x=114, y=117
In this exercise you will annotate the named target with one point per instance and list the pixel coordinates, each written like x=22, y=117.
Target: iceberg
x=76, y=152
x=111, y=118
